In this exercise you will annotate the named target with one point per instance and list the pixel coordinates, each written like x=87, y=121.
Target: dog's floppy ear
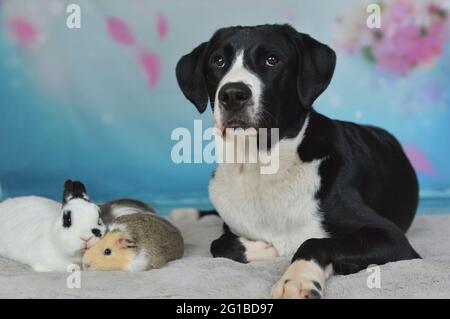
x=191, y=77
x=316, y=63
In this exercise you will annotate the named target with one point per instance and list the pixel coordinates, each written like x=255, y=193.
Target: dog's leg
x=241, y=249
x=376, y=243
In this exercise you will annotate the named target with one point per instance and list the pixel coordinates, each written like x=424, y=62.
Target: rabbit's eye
x=107, y=252
x=67, y=219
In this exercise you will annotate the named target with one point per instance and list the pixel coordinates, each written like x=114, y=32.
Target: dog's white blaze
x=281, y=208
x=239, y=73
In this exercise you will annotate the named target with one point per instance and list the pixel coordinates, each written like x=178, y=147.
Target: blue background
x=77, y=103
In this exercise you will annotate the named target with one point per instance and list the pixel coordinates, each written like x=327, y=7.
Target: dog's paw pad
x=298, y=288
x=311, y=294
x=302, y=280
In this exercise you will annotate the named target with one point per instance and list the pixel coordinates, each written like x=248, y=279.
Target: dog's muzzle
x=234, y=98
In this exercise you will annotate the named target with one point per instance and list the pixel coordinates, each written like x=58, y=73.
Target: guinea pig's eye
x=272, y=60
x=99, y=222
x=107, y=252
x=219, y=61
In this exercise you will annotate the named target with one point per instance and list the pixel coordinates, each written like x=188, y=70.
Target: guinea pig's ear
x=191, y=77
x=74, y=190
x=126, y=243
x=316, y=64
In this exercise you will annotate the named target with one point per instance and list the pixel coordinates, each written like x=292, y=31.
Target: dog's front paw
x=302, y=280
x=296, y=288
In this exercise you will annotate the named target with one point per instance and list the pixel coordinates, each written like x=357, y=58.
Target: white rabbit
x=43, y=234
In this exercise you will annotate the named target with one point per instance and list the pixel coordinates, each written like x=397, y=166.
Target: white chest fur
x=280, y=209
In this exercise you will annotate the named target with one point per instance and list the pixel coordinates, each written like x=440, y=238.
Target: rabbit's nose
x=97, y=232
x=86, y=266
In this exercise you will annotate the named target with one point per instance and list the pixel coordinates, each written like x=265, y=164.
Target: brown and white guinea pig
x=136, y=242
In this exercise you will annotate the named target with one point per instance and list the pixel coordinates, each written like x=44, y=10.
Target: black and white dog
x=344, y=194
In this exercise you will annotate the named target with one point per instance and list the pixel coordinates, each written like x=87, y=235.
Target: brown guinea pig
x=135, y=242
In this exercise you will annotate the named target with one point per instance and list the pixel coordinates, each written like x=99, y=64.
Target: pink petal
x=152, y=67
x=23, y=31
x=419, y=160
x=120, y=31
x=162, y=25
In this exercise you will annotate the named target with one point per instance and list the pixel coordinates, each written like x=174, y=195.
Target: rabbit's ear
x=68, y=186
x=74, y=190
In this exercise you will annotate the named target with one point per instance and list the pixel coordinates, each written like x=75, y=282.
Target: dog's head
x=262, y=76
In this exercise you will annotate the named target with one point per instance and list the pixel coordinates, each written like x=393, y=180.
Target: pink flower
x=404, y=42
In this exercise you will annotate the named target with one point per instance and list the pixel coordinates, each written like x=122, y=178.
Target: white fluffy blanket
x=198, y=275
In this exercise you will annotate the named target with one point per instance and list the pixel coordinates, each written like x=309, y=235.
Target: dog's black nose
x=234, y=96
x=97, y=232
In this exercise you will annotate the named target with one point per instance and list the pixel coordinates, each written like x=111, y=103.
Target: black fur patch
x=204, y=213
x=67, y=219
x=318, y=286
x=314, y=294
x=74, y=189
x=229, y=246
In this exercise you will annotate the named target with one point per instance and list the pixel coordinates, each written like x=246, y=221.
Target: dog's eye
x=272, y=60
x=107, y=252
x=219, y=61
